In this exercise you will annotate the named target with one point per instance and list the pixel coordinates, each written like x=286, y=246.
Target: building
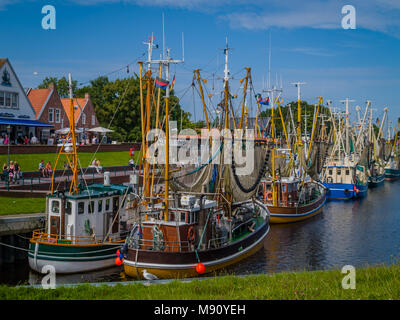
x=48, y=109
x=17, y=115
x=85, y=117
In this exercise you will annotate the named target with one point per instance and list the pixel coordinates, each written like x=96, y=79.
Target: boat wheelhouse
x=83, y=231
x=345, y=181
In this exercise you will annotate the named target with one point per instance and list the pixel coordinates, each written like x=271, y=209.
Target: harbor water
x=359, y=233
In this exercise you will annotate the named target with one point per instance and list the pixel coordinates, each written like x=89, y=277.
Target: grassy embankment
x=30, y=162
x=381, y=282
x=9, y=205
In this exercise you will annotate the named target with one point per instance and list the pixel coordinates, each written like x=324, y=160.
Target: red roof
x=38, y=97
x=79, y=104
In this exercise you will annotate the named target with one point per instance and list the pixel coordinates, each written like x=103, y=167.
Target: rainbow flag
x=161, y=83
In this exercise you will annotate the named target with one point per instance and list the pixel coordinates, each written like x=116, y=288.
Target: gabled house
x=49, y=109
x=17, y=115
x=85, y=117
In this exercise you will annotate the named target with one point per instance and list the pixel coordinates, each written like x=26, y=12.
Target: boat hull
x=167, y=265
x=289, y=215
x=376, y=181
x=392, y=174
x=345, y=191
x=70, y=258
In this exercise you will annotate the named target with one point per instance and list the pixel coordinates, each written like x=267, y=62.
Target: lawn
x=10, y=205
x=30, y=162
x=380, y=282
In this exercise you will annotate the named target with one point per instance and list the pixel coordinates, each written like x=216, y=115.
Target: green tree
x=61, y=84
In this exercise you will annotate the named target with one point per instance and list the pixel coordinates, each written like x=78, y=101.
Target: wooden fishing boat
x=84, y=222
x=198, y=224
x=293, y=204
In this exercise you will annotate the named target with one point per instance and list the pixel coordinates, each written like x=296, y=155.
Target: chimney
x=52, y=86
x=87, y=96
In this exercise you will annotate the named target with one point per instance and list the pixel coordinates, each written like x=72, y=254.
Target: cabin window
x=183, y=217
x=107, y=204
x=100, y=206
x=339, y=172
x=68, y=207
x=347, y=172
x=81, y=207
x=91, y=207
x=55, y=206
x=330, y=172
x=284, y=188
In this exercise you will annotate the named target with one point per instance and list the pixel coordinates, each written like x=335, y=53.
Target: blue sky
x=96, y=37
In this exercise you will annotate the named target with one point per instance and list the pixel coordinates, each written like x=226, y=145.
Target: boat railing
x=219, y=242
x=170, y=245
x=40, y=236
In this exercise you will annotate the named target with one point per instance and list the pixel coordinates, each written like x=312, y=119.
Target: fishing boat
x=392, y=169
x=198, y=224
x=345, y=173
x=286, y=193
x=83, y=222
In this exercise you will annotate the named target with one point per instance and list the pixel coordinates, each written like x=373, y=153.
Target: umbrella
x=100, y=130
x=66, y=130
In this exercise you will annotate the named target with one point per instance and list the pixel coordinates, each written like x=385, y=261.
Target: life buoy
x=191, y=234
x=269, y=195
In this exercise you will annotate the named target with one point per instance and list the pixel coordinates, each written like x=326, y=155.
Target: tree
x=61, y=84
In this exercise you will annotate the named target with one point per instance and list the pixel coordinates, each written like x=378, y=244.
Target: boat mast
x=347, y=146
x=226, y=84
x=298, y=85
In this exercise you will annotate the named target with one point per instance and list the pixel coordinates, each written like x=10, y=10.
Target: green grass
x=30, y=162
x=10, y=205
x=382, y=282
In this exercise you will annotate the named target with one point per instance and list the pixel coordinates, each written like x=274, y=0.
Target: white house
x=17, y=115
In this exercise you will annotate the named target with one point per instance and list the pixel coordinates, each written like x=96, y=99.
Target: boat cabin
x=92, y=215
x=287, y=192
x=339, y=174
x=184, y=227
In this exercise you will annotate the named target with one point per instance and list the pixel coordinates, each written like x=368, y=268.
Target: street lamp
x=9, y=140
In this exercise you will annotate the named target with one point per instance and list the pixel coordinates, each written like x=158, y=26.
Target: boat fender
x=191, y=234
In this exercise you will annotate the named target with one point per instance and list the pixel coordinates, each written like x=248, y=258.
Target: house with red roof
x=48, y=109
x=84, y=116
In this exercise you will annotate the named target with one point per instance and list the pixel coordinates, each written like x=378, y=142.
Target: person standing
x=6, y=139
x=17, y=172
x=41, y=168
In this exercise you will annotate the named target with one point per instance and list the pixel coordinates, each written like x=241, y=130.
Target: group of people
x=45, y=170
x=5, y=140
x=12, y=172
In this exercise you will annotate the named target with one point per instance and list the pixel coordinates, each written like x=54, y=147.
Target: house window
x=83, y=118
x=58, y=115
x=2, y=98
x=14, y=100
x=8, y=99
x=93, y=120
x=81, y=207
x=51, y=115
x=100, y=206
